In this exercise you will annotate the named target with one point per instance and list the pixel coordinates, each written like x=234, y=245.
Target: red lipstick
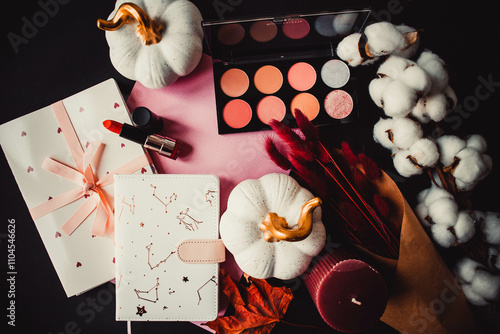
x=165, y=146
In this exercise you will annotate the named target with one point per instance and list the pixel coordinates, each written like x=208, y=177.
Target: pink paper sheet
x=189, y=112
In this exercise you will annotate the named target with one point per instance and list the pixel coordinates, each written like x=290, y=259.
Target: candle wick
x=355, y=301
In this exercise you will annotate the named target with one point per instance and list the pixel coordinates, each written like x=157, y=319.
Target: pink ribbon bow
x=83, y=176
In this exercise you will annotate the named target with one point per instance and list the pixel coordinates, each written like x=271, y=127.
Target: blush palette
x=266, y=68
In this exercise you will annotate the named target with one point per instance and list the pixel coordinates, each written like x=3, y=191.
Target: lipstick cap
x=143, y=117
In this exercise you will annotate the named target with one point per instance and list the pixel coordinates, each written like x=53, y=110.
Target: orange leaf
x=258, y=307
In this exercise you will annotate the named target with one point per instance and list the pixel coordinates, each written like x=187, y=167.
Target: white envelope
x=156, y=215
x=81, y=261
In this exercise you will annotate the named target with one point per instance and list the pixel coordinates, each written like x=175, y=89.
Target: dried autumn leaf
x=258, y=307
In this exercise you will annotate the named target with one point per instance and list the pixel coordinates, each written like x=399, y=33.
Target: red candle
x=350, y=295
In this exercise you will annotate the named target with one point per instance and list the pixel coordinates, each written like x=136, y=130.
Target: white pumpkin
x=243, y=230
x=174, y=49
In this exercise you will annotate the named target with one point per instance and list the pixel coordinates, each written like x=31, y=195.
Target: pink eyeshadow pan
x=269, y=108
x=338, y=104
x=302, y=76
x=237, y=113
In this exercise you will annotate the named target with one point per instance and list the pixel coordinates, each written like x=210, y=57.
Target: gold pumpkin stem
x=148, y=30
x=275, y=228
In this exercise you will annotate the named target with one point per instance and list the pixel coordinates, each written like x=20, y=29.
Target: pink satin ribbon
x=83, y=176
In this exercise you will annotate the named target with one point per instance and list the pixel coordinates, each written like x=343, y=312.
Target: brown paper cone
x=424, y=295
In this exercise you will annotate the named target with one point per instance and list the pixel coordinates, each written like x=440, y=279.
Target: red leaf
x=257, y=307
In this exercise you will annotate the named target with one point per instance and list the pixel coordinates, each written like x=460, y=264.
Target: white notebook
x=154, y=214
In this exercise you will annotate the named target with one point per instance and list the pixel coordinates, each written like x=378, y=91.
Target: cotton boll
x=435, y=193
x=423, y=195
x=473, y=167
x=422, y=212
x=464, y=227
x=404, y=166
x=419, y=111
x=443, y=212
x=405, y=132
x=490, y=226
x=376, y=89
x=416, y=78
x=449, y=146
x=393, y=67
x=410, y=51
x=435, y=67
x=348, y=51
x=442, y=235
x=398, y=99
x=436, y=106
x=477, y=142
x=473, y=297
x=384, y=38
x=486, y=284
x=466, y=269
x=381, y=132
x=425, y=151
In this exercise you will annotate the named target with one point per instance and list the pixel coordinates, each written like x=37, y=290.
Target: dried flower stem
x=387, y=232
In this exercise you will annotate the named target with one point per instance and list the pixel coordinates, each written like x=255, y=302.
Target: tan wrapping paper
x=424, y=295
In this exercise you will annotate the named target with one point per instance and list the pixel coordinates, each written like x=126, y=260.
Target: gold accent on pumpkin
x=148, y=30
x=275, y=228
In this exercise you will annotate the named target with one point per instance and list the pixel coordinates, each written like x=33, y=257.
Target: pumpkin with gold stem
x=154, y=42
x=273, y=227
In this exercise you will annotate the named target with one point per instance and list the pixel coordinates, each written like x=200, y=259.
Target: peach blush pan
x=234, y=82
x=307, y=103
x=269, y=108
x=268, y=79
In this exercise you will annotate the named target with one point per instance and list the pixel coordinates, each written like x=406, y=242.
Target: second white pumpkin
x=248, y=204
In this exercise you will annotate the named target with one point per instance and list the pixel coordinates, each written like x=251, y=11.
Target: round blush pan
x=234, y=82
x=263, y=31
x=237, y=113
x=296, y=28
x=301, y=76
x=335, y=73
x=231, y=34
x=338, y=104
x=307, y=103
x=269, y=108
x=268, y=79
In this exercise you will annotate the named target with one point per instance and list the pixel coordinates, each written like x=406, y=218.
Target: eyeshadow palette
x=265, y=68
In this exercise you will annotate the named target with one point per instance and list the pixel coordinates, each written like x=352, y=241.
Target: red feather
x=279, y=159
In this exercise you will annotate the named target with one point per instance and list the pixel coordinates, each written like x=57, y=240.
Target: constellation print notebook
x=167, y=248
